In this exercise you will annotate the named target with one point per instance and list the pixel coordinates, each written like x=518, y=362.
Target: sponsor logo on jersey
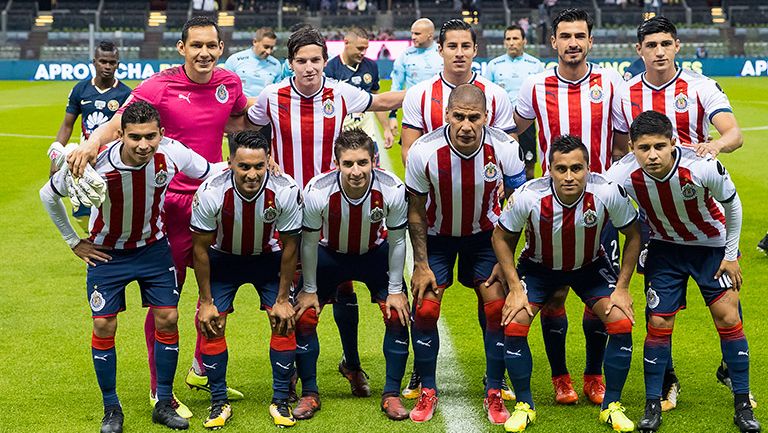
x=113, y=105
x=97, y=300
x=328, y=109
x=270, y=214
x=596, y=94
x=377, y=214
x=689, y=191
x=356, y=80
x=589, y=218
x=161, y=178
x=681, y=103
x=652, y=299
x=222, y=94
x=94, y=120
x=99, y=105
x=490, y=172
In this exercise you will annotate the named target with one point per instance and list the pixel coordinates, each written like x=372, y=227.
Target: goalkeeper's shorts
x=82, y=211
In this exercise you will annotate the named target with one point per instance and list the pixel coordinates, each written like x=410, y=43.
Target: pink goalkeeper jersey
x=192, y=113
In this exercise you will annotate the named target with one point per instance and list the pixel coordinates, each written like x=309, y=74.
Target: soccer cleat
x=763, y=244
x=221, y=412
x=393, y=407
x=594, y=389
x=494, y=405
x=651, y=420
x=670, y=391
x=614, y=417
x=307, y=406
x=200, y=383
x=358, y=380
x=425, y=406
x=281, y=414
x=180, y=407
x=745, y=420
x=725, y=378
x=564, y=392
x=292, y=396
x=113, y=419
x=165, y=414
x=413, y=389
x=507, y=393
x=521, y=417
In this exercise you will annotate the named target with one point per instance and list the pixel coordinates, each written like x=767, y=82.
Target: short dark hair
x=650, y=123
x=467, y=92
x=357, y=31
x=303, y=37
x=264, y=32
x=140, y=112
x=105, y=47
x=512, y=27
x=199, y=21
x=566, y=144
x=248, y=140
x=353, y=138
x=571, y=15
x=656, y=24
x=455, y=24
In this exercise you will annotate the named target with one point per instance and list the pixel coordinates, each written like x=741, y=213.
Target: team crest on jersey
x=689, y=191
x=490, y=172
x=589, y=218
x=161, y=178
x=643, y=256
x=681, y=103
x=113, y=105
x=99, y=105
x=97, y=300
x=652, y=299
x=270, y=215
x=328, y=109
x=377, y=214
x=596, y=94
x=222, y=94
x=195, y=201
x=367, y=78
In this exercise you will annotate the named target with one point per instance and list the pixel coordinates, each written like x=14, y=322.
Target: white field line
x=453, y=404
x=8, y=134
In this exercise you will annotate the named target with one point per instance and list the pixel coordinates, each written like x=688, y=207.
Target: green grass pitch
x=47, y=382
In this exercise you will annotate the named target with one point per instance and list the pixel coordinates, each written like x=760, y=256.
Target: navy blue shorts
x=591, y=283
x=667, y=269
x=82, y=211
x=230, y=271
x=476, y=258
x=150, y=265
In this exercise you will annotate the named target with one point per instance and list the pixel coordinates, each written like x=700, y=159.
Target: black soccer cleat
x=651, y=420
x=165, y=414
x=723, y=376
x=763, y=244
x=113, y=419
x=744, y=418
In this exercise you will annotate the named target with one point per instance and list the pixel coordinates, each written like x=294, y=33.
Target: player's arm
x=282, y=314
x=730, y=263
x=522, y=123
x=620, y=145
x=423, y=278
x=621, y=297
x=239, y=121
x=730, y=135
x=504, y=245
x=387, y=101
x=407, y=137
x=389, y=132
x=207, y=314
x=396, y=298
x=86, y=153
x=307, y=298
x=66, y=127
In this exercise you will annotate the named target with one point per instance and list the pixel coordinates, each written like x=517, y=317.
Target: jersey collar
x=459, y=154
x=239, y=194
x=357, y=201
x=452, y=86
x=113, y=156
x=312, y=96
x=103, y=91
x=577, y=82
x=672, y=171
x=567, y=206
x=665, y=85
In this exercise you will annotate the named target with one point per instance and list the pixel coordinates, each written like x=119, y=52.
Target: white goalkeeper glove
x=90, y=189
x=58, y=153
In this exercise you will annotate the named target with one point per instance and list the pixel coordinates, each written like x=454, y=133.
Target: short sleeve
x=150, y=90
x=514, y=216
x=205, y=208
x=503, y=117
x=540, y=67
x=241, y=101
x=189, y=162
x=717, y=179
x=290, y=218
x=415, y=172
x=713, y=99
x=375, y=73
x=73, y=103
x=413, y=116
x=620, y=91
x=257, y=114
x=524, y=104
x=231, y=64
x=620, y=208
x=357, y=100
x=398, y=74
x=397, y=212
x=490, y=71
x=512, y=165
x=314, y=202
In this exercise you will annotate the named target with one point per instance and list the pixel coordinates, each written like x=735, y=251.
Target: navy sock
x=307, y=351
x=216, y=370
x=735, y=350
x=426, y=342
x=618, y=357
x=494, y=345
x=554, y=328
x=105, y=365
x=282, y=355
x=481, y=319
x=347, y=316
x=517, y=357
x=596, y=338
x=166, y=359
x=656, y=354
x=395, y=352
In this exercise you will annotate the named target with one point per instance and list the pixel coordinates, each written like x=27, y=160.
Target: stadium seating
x=22, y=15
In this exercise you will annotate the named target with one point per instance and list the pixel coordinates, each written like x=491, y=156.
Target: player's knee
x=727, y=319
x=166, y=319
x=307, y=323
x=659, y=334
x=427, y=314
x=213, y=346
x=394, y=318
x=283, y=343
x=622, y=326
x=557, y=300
x=661, y=322
x=589, y=314
x=552, y=311
x=514, y=329
x=105, y=326
x=492, y=311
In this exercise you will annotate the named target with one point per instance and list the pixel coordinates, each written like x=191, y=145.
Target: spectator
x=701, y=52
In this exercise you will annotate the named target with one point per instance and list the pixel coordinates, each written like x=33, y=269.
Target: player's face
x=569, y=174
x=355, y=166
x=308, y=64
x=658, y=51
x=655, y=153
x=514, y=42
x=249, y=166
x=140, y=142
x=202, y=49
x=466, y=122
x=572, y=42
x=421, y=35
x=264, y=47
x=355, y=48
x=106, y=63
x=457, y=51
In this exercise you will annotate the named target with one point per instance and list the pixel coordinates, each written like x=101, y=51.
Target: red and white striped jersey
x=463, y=190
x=305, y=127
x=247, y=226
x=132, y=213
x=354, y=226
x=690, y=100
x=425, y=103
x=682, y=207
x=566, y=237
x=587, y=108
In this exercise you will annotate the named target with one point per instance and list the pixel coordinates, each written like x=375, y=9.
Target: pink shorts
x=178, y=212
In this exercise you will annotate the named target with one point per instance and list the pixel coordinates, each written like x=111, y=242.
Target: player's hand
x=393, y=125
x=621, y=299
x=305, y=301
x=731, y=270
x=80, y=157
x=399, y=302
x=208, y=318
x=516, y=302
x=708, y=147
x=89, y=252
x=423, y=279
x=497, y=276
x=274, y=168
x=389, y=138
x=281, y=317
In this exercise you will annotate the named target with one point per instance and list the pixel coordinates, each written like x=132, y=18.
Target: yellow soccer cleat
x=521, y=417
x=181, y=409
x=200, y=383
x=281, y=414
x=614, y=417
x=221, y=412
x=412, y=391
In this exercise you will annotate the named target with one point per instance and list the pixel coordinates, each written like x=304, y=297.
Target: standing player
x=358, y=215
x=694, y=213
x=197, y=101
x=562, y=214
x=691, y=102
x=245, y=224
x=577, y=98
x=453, y=175
x=509, y=71
x=127, y=243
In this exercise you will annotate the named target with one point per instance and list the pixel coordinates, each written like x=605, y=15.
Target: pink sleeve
x=241, y=101
x=150, y=90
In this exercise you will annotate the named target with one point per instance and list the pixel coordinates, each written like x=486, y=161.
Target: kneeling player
x=127, y=243
x=690, y=237
x=358, y=215
x=563, y=214
x=236, y=218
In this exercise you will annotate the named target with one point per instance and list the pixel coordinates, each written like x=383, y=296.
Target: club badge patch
x=367, y=78
x=596, y=94
x=643, y=256
x=113, y=105
x=328, y=109
x=377, y=214
x=97, y=300
x=681, y=103
x=161, y=178
x=195, y=201
x=490, y=172
x=689, y=191
x=589, y=218
x=652, y=299
x=222, y=94
x=270, y=215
